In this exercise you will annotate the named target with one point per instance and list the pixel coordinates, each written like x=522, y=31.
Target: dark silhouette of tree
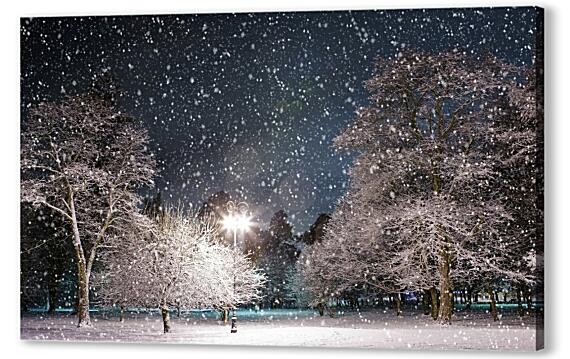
x=316, y=231
x=153, y=206
x=45, y=259
x=215, y=206
x=279, y=253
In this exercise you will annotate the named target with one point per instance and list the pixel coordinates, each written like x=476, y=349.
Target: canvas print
x=363, y=179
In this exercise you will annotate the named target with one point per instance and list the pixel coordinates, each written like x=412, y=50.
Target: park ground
x=371, y=328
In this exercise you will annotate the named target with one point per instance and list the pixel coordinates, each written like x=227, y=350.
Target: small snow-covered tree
x=85, y=160
x=176, y=261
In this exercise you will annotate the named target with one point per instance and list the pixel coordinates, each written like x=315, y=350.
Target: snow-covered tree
x=313, y=282
x=84, y=159
x=346, y=262
x=520, y=136
x=176, y=262
x=424, y=198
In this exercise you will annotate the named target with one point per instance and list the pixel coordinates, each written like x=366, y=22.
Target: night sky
x=250, y=103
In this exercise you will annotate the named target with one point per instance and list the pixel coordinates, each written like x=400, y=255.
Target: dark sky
x=249, y=103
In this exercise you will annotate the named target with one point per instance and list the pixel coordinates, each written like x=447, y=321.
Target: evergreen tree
x=279, y=256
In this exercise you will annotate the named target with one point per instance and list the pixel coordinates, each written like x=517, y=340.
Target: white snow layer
x=368, y=329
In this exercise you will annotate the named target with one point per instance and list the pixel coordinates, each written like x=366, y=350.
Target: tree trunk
x=121, y=313
x=519, y=301
x=83, y=271
x=445, y=290
x=398, y=304
x=469, y=295
x=528, y=297
x=52, y=296
x=493, y=305
x=165, y=317
x=225, y=315
x=84, y=319
x=75, y=302
x=321, y=309
x=425, y=301
x=434, y=303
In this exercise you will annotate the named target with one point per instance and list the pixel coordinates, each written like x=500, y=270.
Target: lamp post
x=237, y=219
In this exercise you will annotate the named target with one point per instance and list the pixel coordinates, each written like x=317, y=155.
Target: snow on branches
x=424, y=209
x=85, y=160
x=176, y=261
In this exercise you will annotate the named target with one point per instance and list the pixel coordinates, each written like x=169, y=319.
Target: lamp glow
x=236, y=222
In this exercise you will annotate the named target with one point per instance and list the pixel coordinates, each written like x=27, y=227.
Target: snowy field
x=367, y=329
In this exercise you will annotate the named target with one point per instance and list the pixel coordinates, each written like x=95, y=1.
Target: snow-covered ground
x=367, y=329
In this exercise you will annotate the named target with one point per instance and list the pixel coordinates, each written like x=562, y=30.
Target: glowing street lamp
x=236, y=220
x=235, y=223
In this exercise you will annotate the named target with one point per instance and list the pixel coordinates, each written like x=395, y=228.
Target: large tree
x=424, y=193
x=85, y=160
